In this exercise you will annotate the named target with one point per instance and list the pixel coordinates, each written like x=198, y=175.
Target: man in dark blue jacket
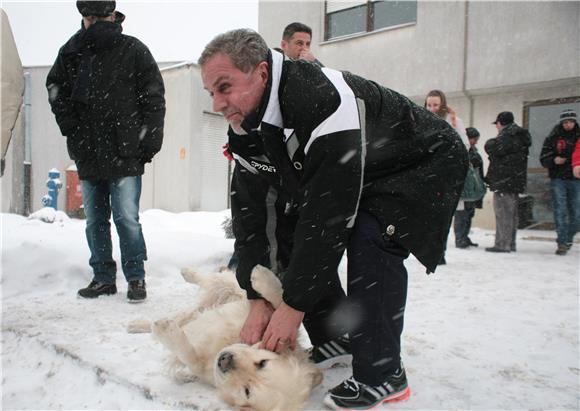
x=328, y=161
x=107, y=95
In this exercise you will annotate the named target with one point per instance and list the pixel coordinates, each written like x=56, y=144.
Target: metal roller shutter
x=214, y=166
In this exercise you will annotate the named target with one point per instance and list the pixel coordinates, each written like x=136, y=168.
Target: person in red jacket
x=576, y=160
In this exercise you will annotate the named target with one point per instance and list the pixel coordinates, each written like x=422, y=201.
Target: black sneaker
x=471, y=243
x=136, y=292
x=331, y=353
x=353, y=395
x=496, y=250
x=96, y=289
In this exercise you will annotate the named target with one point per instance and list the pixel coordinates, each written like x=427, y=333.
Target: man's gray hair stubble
x=245, y=47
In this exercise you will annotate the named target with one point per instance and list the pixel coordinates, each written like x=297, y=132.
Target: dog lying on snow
x=205, y=344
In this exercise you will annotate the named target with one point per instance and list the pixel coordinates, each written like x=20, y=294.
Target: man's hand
x=282, y=330
x=576, y=171
x=306, y=55
x=559, y=160
x=257, y=321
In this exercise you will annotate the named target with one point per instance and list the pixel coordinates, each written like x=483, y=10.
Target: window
x=344, y=18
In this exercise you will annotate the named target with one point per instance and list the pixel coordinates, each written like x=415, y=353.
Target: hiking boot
x=331, y=353
x=562, y=249
x=354, y=395
x=136, y=291
x=96, y=289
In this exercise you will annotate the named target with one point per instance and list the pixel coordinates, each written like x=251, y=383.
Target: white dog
x=206, y=341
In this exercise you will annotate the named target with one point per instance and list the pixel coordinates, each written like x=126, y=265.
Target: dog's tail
x=139, y=326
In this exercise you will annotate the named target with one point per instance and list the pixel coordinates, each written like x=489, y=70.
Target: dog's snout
x=226, y=361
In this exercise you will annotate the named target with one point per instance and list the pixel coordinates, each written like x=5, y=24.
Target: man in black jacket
x=295, y=42
x=328, y=161
x=462, y=218
x=557, y=158
x=507, y=177
x=107, y=95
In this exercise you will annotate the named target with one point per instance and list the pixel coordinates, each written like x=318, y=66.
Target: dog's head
x=250, y=378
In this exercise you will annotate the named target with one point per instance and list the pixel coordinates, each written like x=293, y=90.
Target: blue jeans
x=121, y=196
x=566, y=204
x=462, y=224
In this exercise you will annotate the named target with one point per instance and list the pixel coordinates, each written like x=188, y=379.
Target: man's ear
x=263, y=71
x=283, y=45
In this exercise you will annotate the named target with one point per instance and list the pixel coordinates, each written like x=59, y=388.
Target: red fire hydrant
x=74, y=194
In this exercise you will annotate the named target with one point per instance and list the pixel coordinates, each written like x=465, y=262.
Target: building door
x=214, y=166
x=539, y=118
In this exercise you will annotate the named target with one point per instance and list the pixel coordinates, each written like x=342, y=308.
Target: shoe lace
x=351, y=384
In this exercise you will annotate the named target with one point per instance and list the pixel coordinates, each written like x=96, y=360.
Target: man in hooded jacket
x=107, y=95
x=507, y=178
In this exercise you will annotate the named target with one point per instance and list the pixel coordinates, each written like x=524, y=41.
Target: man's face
x=235, y=94
x=568, y=125
x=298, y=42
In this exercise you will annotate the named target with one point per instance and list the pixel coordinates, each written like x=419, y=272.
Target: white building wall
x=487, y=56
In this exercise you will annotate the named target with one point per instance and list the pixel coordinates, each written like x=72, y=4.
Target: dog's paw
x=139, y=326
x=267, y=284
x=164, y=329
x=190, y=275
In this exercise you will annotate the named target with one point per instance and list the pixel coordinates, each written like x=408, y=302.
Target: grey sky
x=173, y=30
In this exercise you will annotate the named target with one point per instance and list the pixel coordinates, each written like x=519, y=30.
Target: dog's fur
x=205, y=343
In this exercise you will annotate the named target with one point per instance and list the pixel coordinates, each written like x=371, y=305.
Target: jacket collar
x=101, y=35
x=269, y=109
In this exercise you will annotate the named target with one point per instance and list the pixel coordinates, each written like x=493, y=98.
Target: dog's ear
x=316, y=376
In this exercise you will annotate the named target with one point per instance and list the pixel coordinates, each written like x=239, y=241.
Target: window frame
x=370, y=29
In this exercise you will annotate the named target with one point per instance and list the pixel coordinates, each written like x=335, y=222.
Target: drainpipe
x=27, y=145
x=464, y=75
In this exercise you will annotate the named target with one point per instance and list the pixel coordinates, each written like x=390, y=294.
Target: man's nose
x=219, y=103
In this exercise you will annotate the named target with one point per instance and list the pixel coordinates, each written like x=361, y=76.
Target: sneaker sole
x=129, y=300
x=338, y=361
x=95, y=297
x=396, y=397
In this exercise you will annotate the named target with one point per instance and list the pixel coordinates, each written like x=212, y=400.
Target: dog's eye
x=247, y=391
x=261, y=364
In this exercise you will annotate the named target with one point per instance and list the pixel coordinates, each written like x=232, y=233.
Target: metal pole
x=27, y=144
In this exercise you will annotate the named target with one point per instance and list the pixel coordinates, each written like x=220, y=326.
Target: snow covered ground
x=487, y=331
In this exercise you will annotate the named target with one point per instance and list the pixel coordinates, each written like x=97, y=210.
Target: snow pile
x=487, y=331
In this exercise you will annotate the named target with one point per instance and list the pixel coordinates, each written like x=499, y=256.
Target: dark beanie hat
x=568, y=114
x=504, y=118
x=98, y=8
x=472, y=132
